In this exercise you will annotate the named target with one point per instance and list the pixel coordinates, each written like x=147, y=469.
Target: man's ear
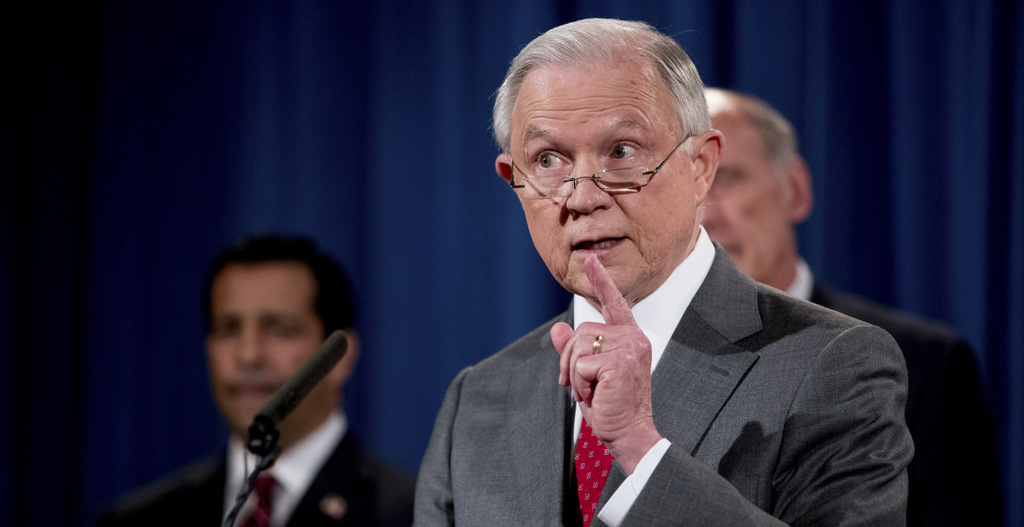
x=707, y=153
x=503, y=166
x=799, y=193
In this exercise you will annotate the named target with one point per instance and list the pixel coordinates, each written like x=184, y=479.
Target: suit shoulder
x=739, y=309
x=522, y=349
x=397, y=487
x=376, y=492
x=196, y=488
x=368, y=467
x=777, y=307
x=798, y=333
x=913, y=332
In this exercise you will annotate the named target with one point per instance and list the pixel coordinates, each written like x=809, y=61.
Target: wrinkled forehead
x=607, y=95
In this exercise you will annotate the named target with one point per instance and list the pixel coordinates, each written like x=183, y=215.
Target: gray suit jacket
x=779, y=412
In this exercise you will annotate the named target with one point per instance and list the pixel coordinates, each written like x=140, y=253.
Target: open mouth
x=597, y=245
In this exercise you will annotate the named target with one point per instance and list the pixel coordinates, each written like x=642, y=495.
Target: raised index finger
x=614, y=307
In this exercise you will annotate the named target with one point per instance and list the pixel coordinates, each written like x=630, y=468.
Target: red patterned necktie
x=261, y=514
x=593, y=461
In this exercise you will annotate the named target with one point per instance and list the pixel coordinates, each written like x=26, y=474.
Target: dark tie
x=261, y=514
x=593, y=461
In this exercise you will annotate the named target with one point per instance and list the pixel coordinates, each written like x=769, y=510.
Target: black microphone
x=263, y=432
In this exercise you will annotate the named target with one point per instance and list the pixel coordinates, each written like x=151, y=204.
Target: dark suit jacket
x=376, y=495
x=778, y=411
x=954, y=477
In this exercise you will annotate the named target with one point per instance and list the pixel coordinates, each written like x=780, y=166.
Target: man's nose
x=250, y=350
x=586, y=196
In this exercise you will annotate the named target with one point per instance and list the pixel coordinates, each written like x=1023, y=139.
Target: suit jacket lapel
x=539, y=412
x=701, y=366
x=694, y=380
x=336, y=480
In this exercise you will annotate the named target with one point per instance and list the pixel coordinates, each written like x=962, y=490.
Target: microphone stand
x=263, y=433
x=262, y=463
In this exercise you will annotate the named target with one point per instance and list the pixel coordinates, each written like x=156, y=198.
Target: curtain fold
x=139, y=139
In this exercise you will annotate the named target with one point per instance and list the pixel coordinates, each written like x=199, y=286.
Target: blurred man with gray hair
x=761, y=193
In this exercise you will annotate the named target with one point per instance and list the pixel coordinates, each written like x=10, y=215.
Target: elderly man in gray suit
x=675, y=390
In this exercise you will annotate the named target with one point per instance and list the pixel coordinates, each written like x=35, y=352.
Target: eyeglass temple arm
x=512, y=177
x=658, y=168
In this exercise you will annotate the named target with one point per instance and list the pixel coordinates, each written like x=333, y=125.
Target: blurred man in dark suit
x=271, y=302
x=761, y=192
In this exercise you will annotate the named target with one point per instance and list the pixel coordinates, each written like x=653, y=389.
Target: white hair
x=598, y=39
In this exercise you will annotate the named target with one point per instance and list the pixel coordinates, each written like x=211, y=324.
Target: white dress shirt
x=803, y=282
x=294, y=470
x=658, y=315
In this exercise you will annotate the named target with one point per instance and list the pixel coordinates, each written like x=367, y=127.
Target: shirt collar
x=803, y=282
x=660, y=313
x=294, y=469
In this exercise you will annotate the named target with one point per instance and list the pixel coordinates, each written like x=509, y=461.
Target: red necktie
x=261, y=514
x=593, y=461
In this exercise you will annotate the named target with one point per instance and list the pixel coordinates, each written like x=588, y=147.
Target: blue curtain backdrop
x=140, y=138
